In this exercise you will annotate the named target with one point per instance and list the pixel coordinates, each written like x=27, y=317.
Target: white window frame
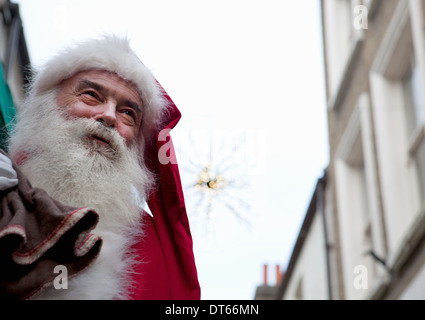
x=359, y=213
x=397, y=171
x=343, y=44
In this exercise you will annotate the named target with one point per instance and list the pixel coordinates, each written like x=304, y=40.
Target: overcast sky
x=247, y=76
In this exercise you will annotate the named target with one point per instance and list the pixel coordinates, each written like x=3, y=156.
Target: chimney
x=278, y=279
x=278, y=275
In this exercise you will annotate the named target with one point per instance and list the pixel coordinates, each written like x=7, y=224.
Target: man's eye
x=130, y=113
x=91, y=94
x=129, y=116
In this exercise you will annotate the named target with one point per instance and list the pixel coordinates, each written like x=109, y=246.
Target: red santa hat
x=167, y=269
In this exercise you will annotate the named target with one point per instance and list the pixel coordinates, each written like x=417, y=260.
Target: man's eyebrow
x=84, y=83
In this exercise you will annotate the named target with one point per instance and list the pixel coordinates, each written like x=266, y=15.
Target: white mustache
x=97, y=130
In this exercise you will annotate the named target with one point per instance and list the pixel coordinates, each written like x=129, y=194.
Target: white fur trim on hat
x=109, y=53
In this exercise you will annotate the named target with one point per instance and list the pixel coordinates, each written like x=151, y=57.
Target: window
x=343, y=42
x=398, y=110
x=414, y=106
x=413, y=97
x=357, y=198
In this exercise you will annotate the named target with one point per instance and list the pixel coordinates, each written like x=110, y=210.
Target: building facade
x=306, y=276
x=14, y=67
x=370, y=241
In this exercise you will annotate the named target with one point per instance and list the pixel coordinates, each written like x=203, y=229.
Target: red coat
x=167, y=269
x=167, y=266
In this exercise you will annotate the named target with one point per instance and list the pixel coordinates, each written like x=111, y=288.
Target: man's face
x=105, y=97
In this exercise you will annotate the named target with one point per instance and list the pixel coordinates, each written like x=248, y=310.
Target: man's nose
x=106, y=114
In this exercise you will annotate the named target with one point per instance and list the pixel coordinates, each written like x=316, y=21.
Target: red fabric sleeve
x=167, y=268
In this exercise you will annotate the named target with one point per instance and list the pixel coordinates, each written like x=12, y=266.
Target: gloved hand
x=8, y=176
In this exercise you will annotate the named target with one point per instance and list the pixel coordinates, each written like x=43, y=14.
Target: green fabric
x=7, y=110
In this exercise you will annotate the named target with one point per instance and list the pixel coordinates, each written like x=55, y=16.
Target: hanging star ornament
x=216, y=178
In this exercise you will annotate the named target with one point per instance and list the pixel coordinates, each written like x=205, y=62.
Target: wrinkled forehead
x=106, y=80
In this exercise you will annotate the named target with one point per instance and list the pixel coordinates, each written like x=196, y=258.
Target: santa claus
x=85, y=151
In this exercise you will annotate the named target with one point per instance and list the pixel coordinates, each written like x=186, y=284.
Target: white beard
x=78, y=172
